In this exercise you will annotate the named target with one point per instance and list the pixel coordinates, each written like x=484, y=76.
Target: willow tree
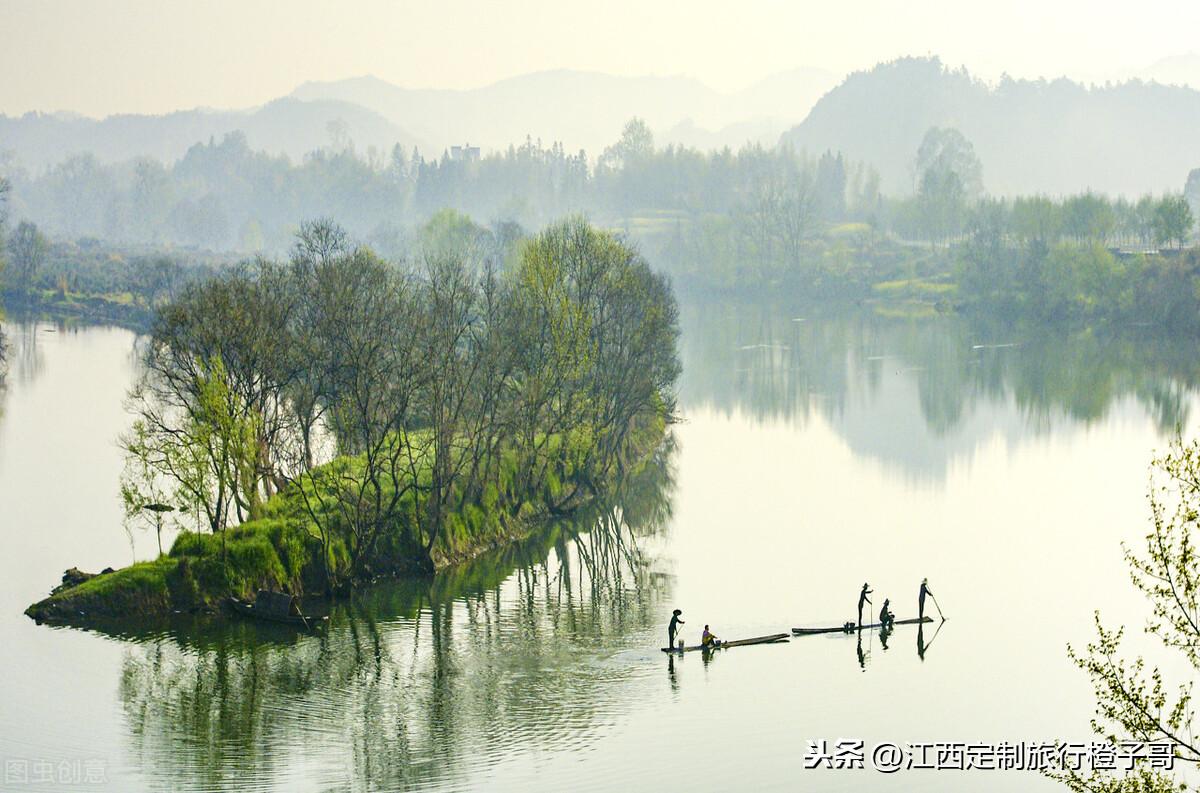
x=1134, y=700
x=195, y=456
x=359, y=318
x=239, y=322
x=597, y=331
x=548, y=335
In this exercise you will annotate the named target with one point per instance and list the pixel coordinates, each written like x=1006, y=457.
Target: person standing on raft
x=921, y=600
x=863, y=599
x=673, y=628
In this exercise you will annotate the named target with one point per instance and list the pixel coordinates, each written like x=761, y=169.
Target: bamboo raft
x=844, y=629
x=275, y=607
x=772, y=639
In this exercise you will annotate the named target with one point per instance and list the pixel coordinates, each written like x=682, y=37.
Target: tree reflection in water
x=413, y=681
x=912, y=391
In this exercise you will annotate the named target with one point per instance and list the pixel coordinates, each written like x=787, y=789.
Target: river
x=814, y=453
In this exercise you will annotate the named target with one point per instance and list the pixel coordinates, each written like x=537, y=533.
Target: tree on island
x=405, y=408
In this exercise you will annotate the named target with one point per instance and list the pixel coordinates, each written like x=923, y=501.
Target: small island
x=315, y=424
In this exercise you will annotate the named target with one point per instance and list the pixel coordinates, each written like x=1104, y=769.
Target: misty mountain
x=583, y=110
x=285, y=126
x=687, y=133
x=1032, y=136
x=1174, y=70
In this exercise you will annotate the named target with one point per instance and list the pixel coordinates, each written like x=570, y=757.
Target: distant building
x=464, y=153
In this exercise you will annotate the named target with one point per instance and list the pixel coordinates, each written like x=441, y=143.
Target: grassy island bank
x=311, y=425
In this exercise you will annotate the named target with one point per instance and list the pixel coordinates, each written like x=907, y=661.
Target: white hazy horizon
x=156, y=56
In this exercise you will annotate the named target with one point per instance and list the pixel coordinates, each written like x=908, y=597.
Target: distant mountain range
x=284, y=126
x=1031, y=136
x=582, y=110
x=586, y=110
x=1175, y=70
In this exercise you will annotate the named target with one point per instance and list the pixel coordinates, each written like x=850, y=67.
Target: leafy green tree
x=196, y=456
x=635, y=146
x=149, y=497
x=450, y=343
x=1147, y=210
x=1173, y=221
x=27, y=250
x=831, y=186
x=393, y=402
x=947, y=149
x=1036, y=221
x=986, y=268
x=1126, y=218
x=450, y=232
x=357, y=324
x=1133, y=701
x=949, y=176
x=942, y=203
x=1089, y=217
x=234, y=326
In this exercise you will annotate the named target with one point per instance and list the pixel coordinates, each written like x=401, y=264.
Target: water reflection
x=918, y=393
x=922, y=645
x=414, y=682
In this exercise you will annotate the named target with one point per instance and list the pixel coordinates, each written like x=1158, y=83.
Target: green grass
x=849, y=229
x=282, y=550
x=137, y=589
x=915, y=287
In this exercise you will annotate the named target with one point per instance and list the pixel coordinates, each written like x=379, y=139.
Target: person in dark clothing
x=863, y=599
x=673, y=628
x=886, y=617
x=921, y=598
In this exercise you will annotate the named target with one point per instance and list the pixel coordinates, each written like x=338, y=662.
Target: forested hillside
x=1032, y=136
x=286, y=126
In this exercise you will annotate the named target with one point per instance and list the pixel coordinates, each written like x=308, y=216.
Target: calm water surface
x=815, y=453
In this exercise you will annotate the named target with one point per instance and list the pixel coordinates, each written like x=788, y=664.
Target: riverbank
x=282, y=550
x=120, y=309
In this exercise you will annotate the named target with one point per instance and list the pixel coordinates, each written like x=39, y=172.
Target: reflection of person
x=862, y=599
x=709, y=639
x=922, y=645
x=862, y=659
x=673, y=628
x=886, y=617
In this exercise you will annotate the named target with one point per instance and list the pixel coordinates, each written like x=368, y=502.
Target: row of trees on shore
x=224, y=196
x=758, y=219
x=487, y=374
x=1150, y=222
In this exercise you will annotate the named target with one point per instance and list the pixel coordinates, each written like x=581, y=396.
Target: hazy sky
x=105, y=56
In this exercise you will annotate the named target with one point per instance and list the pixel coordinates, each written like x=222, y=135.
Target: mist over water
x=499, y=333
x=815, y=453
